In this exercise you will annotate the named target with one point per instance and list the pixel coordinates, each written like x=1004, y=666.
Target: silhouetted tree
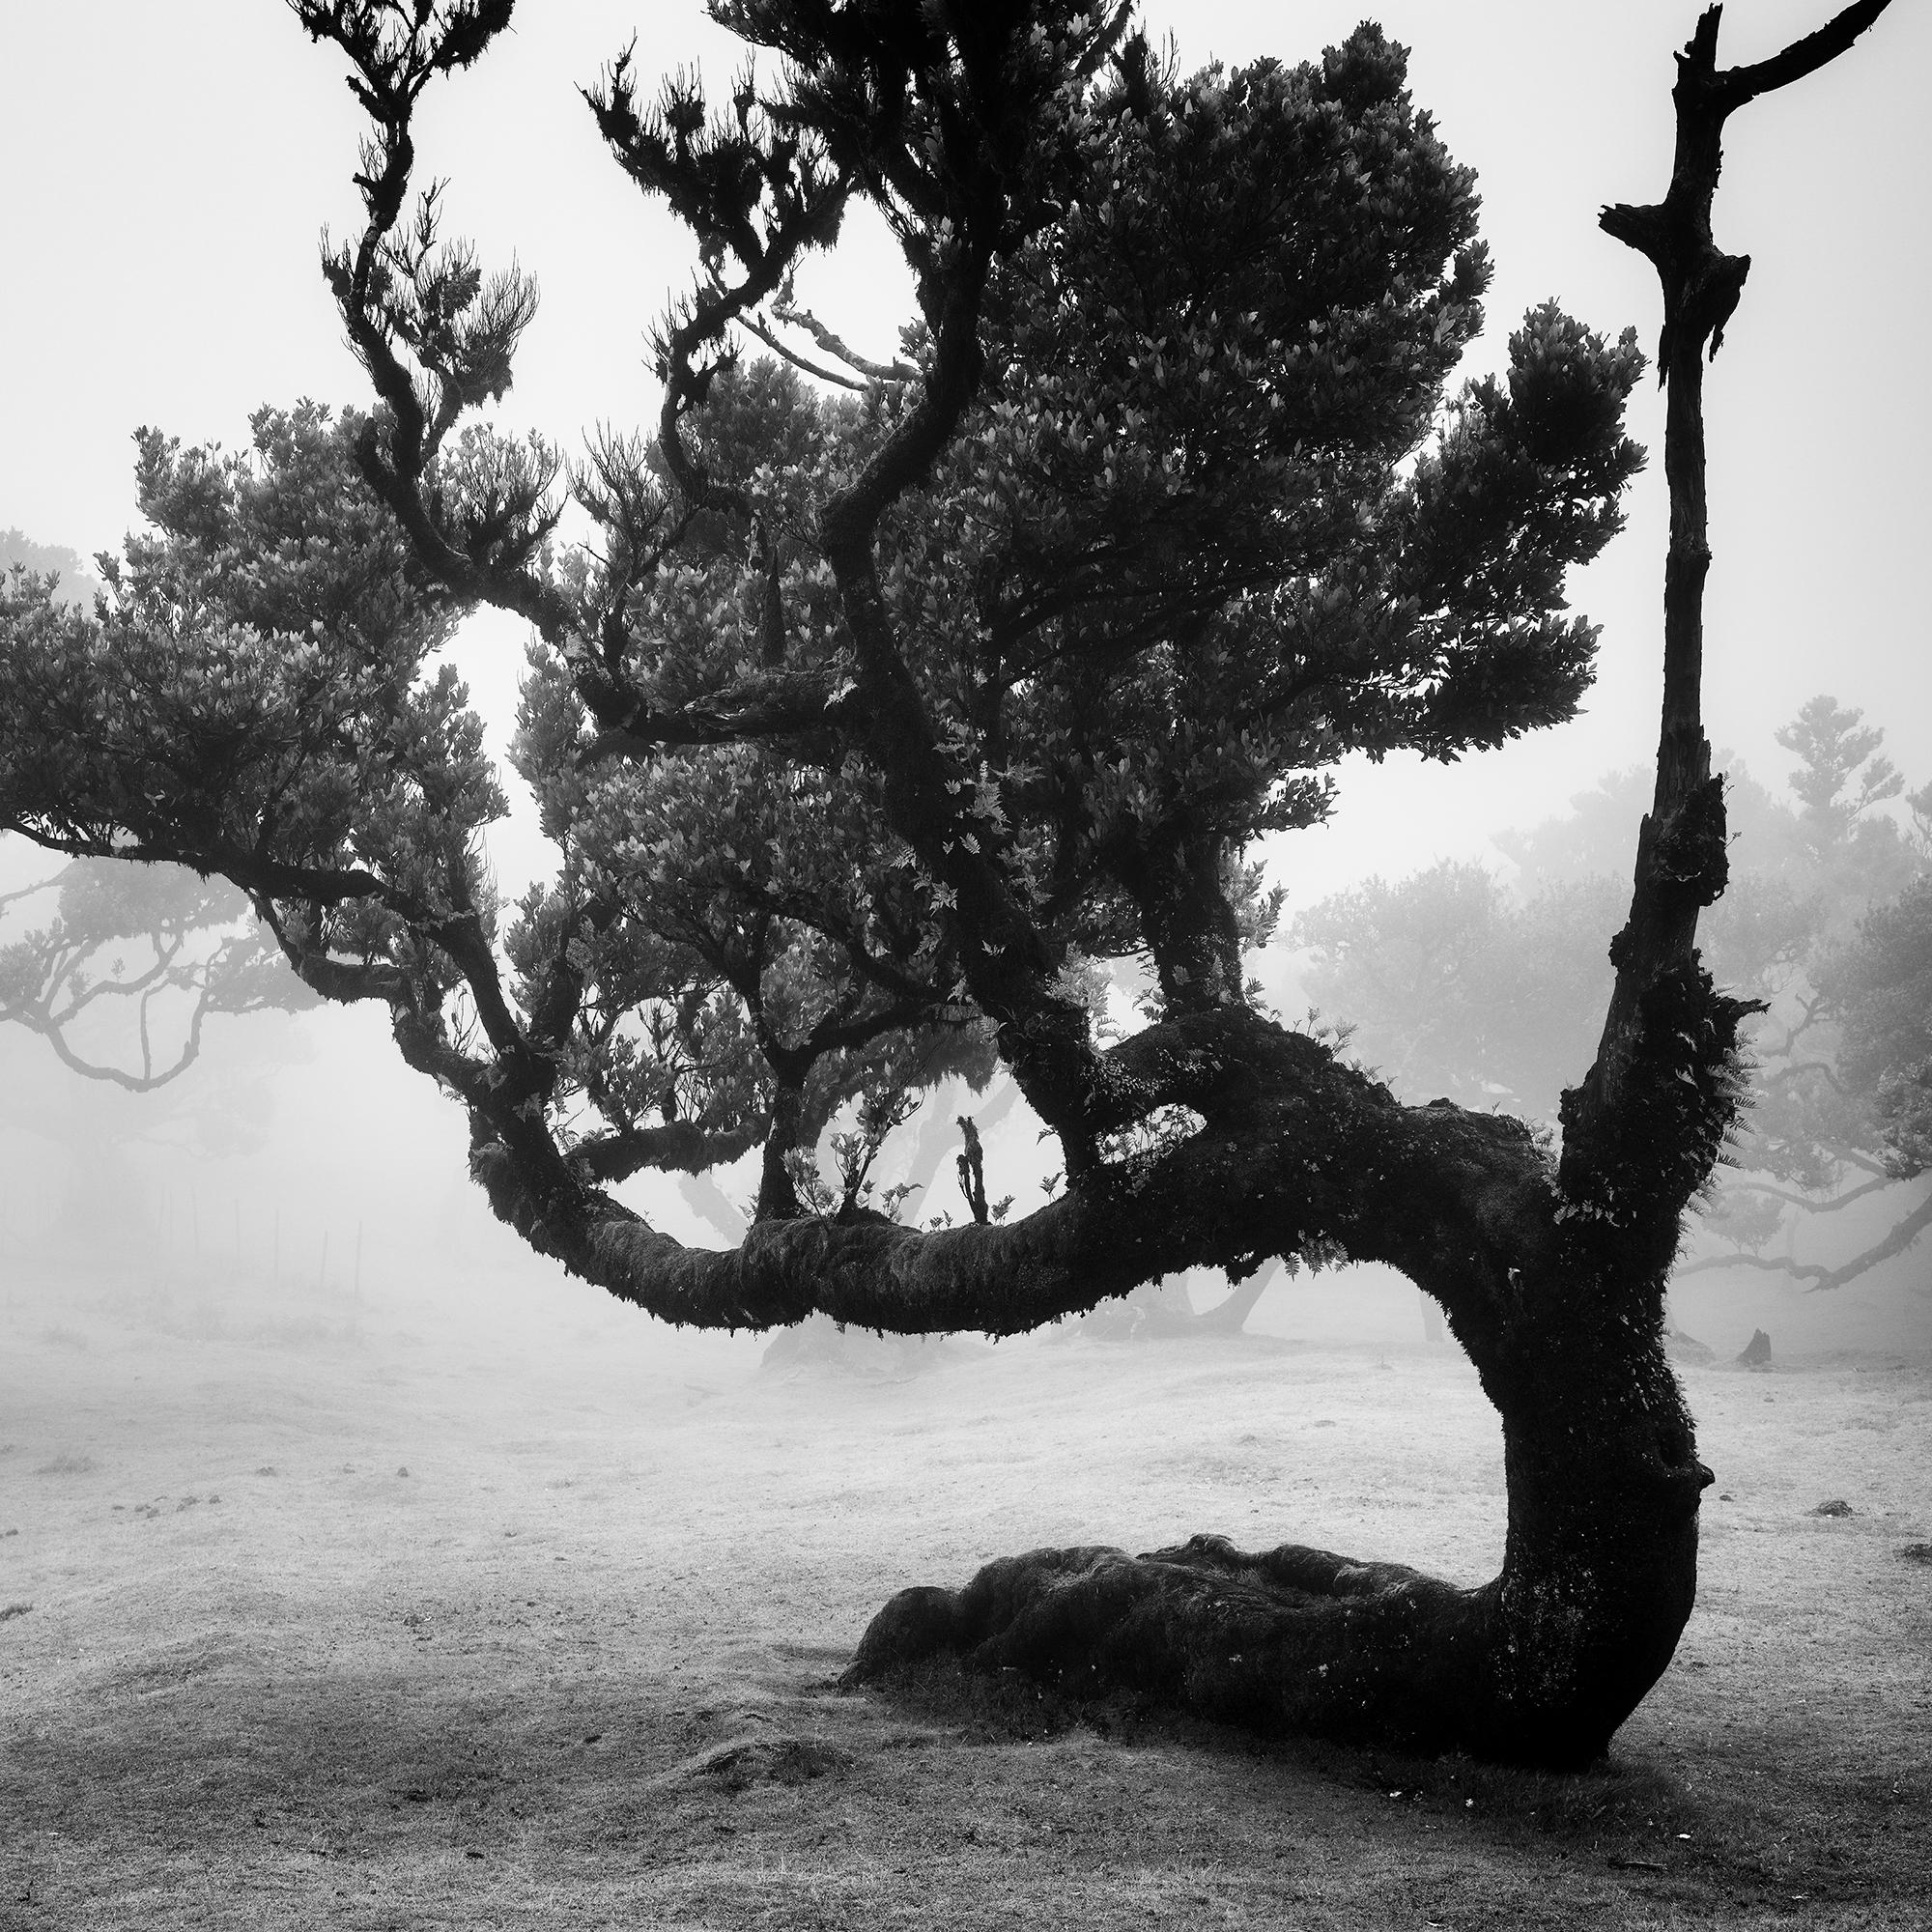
x=882, y=704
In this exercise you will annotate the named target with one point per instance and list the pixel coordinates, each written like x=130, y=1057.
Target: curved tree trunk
x=1229, y=1316
x=1564, y=1328
x=1552, y=1278
x=1539, y=1665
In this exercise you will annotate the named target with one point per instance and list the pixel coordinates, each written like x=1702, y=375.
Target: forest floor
x=467, y=1613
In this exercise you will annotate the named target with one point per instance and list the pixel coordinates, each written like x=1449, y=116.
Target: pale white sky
x=170, y=168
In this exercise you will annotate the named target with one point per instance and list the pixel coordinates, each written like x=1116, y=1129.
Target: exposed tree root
x=1290, y=1639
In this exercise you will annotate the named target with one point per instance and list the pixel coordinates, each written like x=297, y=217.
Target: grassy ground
x=472, y=1614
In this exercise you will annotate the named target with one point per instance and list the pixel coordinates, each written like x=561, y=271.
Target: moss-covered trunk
x=1599, y=1566
x=1540, y=1665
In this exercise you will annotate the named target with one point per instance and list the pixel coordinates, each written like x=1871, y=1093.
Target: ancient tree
x=899, y=684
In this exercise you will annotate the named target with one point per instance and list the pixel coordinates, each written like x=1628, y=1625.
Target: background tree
x=1451, y=982
x=73, y=582
x=878, y=709
x=130, y=965
x=1831, y=1123
x=116, y=969
x=1455, y=982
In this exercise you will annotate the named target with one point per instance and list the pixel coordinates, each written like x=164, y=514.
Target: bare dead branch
x=802, y=363
x=787, y=310
x=1740, y=84
x=1809, y=1271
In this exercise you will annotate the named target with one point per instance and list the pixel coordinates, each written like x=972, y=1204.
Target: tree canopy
x=1208, y=519
x=72, y=582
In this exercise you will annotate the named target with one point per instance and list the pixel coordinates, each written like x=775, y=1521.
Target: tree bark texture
x=1539, y=1665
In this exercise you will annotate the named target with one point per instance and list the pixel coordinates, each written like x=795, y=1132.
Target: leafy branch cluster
x=878, y=707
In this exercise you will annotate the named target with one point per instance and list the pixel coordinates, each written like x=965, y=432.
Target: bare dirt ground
x=481, y=1612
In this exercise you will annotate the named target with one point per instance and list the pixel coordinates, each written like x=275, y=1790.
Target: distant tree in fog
x=1455, y=982
x=896, y=690
x=116, y=970
x=128, y=965
x=115, y=967
x=1843, y=1096
x=72, y=582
